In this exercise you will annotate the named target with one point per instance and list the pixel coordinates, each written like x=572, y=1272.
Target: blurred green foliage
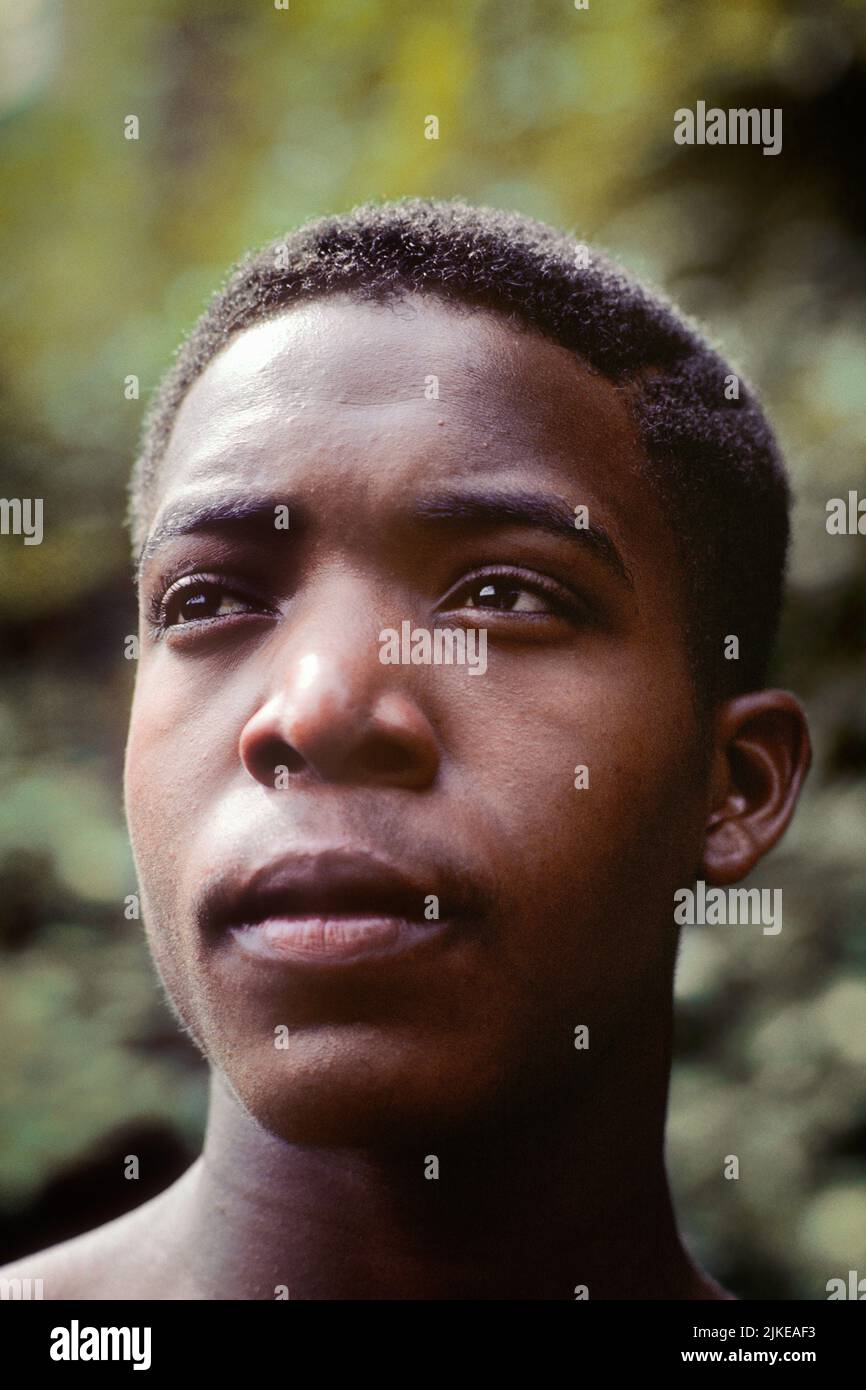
x=252, y=119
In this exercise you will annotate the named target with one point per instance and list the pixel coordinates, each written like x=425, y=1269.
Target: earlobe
x=761, y=756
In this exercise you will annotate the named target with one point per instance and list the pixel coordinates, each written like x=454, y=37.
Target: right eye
x=201, y=598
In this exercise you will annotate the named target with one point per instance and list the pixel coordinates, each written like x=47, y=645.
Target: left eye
x=512, y=594
x=503, y=595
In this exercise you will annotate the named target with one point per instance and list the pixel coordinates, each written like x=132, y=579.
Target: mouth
x=329, y=908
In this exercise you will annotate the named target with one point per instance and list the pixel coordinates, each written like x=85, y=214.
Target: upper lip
x=325, y=882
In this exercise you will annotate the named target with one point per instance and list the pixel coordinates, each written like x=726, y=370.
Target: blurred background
x=251, y=120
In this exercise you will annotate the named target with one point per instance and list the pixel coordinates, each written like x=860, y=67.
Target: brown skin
x=551, y=1158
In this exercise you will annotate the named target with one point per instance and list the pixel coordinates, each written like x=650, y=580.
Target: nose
x=333, y=712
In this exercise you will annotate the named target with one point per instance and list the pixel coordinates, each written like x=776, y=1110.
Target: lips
x=330, y=906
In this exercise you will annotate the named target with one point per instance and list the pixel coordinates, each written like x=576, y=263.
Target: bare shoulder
x=128, y=1258
x=710, y=1290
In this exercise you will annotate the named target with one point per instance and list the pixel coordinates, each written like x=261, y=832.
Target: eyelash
x=166, y=590
x=563, y=603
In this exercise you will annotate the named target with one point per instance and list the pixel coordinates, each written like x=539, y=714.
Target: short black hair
x=711, y=455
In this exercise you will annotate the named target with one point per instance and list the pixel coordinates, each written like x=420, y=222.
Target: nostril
x=386, y=756
x=273, y=760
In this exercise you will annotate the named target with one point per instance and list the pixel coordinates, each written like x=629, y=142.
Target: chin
x=336, y=1091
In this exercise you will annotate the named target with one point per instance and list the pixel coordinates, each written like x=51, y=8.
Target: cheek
x=527, y=726
x=584, y=781
x=172, y=750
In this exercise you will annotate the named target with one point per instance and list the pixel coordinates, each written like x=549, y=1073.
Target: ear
x=761, y=756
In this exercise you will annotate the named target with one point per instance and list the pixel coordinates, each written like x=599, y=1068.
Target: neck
x=574, y=1196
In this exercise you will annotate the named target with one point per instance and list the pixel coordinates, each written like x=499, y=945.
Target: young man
x=418, y=914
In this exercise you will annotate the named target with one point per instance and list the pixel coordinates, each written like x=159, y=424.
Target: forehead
x=369, y=396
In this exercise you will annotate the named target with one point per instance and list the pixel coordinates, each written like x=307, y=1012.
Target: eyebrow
x=541, y=511
x=227, y=513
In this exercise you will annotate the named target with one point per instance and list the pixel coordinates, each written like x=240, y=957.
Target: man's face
x=278, y=771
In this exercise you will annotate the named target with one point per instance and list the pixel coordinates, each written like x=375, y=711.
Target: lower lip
x=313, y=940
